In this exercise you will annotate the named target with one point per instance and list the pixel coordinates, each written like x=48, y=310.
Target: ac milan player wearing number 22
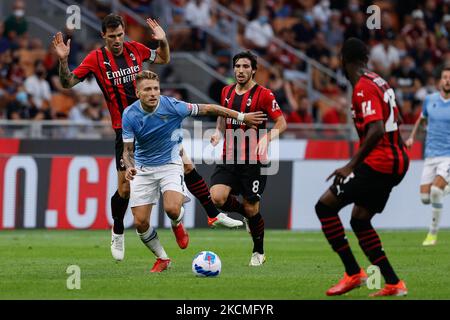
x=379, y=164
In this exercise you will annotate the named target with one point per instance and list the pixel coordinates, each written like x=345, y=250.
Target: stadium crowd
x=411, y=45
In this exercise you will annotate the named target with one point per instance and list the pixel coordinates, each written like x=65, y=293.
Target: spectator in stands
x=420, y=52
x=215, y=88
x=39, y=90
x=162, y=12
x=5, y=43
x=198, y=15
x=407, y=78
x=429, y=87
x=445, y=27
x=19, y=106
x=304, y=33
x=335, y=31
x=384, y=57
x=416, y=30
x=282, y=56
x=431, y=15
x=300, y=112
x=409, y=114
x=279, y=9
x=322, y=12
x=357, y=27
x=16, y=24
x=16, y=75
x=319, y=47
x=337, y=113
x=440, y=49
x=258, y=33
x=281, y=89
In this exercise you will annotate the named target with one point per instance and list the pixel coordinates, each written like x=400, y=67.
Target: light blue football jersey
x=157, y=135
x=437, y=112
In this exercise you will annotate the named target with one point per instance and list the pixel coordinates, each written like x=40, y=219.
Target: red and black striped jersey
x=116, y=75
x=241, y=141
x=373, y=100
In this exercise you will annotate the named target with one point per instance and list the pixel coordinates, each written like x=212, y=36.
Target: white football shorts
x=149, y=182
x=437, y=166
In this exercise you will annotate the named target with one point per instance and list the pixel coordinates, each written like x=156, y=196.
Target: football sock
x=371, y=245
x=256, y=225
x=334, y=232
x=233, y=205
x=177, y=221
x=119, y=207
x=198, y=187
x=436, y=195
x=151, y=241
x=425, y=198
x=446, y=190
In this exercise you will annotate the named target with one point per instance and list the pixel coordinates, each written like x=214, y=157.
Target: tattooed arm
x=128, y=160
x=67, y=78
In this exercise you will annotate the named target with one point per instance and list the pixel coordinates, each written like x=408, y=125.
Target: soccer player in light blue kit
x=436, y=170
x=152, y=141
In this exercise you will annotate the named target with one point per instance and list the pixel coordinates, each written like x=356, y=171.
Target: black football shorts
x=244, y=179
x=367, y=188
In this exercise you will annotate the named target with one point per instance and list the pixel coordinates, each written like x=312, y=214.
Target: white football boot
x=246, y=225
x=257, y=259
x=223, y=220
x=117, y=246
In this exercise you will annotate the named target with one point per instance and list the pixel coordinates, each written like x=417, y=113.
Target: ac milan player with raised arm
x=242, y=173
x=367, y=179
x=115, y=67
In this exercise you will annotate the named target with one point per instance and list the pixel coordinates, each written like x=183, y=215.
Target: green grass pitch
x=300, y=265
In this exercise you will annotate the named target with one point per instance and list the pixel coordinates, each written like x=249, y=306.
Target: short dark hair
x=246, y=55
x=355, y=51
x=112, y=21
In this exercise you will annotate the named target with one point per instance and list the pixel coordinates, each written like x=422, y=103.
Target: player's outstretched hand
x=409, y=143
x=253, y=119
x=215, y=138
x=158, y=32
x=62, y=50
x=130, y=173
x=340, y=174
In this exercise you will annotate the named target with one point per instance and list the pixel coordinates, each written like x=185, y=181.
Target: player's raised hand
x=130, y=173
x=215, y=138
x=158, y=32
x=62, y=50
x=409, y=143
x=253, y=119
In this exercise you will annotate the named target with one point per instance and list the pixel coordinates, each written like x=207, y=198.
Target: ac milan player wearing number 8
x=379, y=165
x=243, y=160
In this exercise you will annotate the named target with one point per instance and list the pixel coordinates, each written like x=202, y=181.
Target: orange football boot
x=348, y=283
